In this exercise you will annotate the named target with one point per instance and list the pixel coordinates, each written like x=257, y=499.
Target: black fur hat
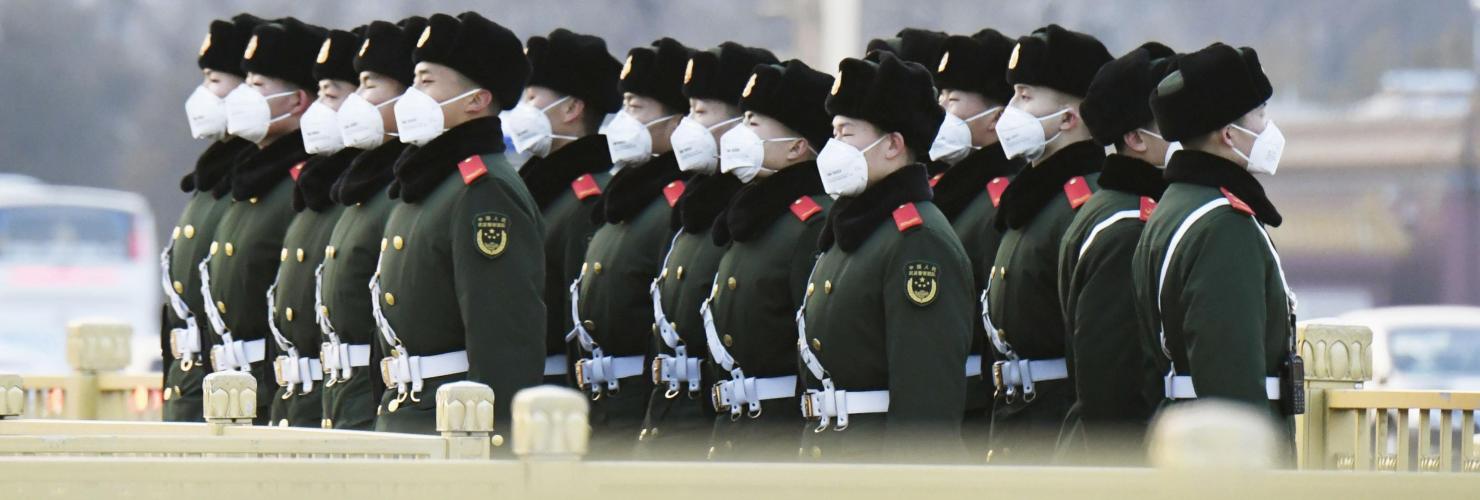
x=1057, y=58
x=793, y=94
x=386, y=48
x=720, y=73
x=481, y=50
x=911, y=44
x=336, y=60
x=1208, y=90
x=656, y=72
x=576, y=65
x=224, y=43
x=976, y=63
x=893, y=94
x=285, y=49
x=1118, y=99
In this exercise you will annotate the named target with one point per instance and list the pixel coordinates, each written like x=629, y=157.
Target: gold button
x=230, y=250
x=590, y=325
x=673, y=325
x=680, y=272
x=583, y=268
x=300, y=255
x=810, y=288
x=827, y=286
x=175, y=235
x=663, y=274
x=252, y=200
x=390, y=299
x=189, y=231
x=179, y=287
x=283, y=255
x=729, y=341
x=816, y=344
x=497, y=440
x=166, y=394
x=214, y=244
x=383, y=242
x=329, y=251
x=221, y=306
x=655, y=328
x=714, y=290
x=324, y=310
x=289, y=313
x=731, y=283
x=596, y=267
x=327, y=424
x=398, y=242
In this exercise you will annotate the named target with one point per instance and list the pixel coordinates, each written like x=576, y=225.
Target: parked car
x=1423, y=347
x=66, y=253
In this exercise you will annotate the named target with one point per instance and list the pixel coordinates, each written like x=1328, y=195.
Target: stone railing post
x=1214, y=435
x=93, y=347
x=550, y=424
x=465, y=419
x=230, y=399
x=1336, y=357
x=12, y=397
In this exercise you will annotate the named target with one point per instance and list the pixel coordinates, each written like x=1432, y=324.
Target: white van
x=69, y=252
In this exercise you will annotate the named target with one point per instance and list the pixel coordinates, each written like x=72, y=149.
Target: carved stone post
x=230, y=399
x=465, y=419
x=93, y=346
x=1336, y=357
x=12, y=397
x=550, y=424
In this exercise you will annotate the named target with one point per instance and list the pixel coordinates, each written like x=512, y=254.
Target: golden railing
x=96, y=351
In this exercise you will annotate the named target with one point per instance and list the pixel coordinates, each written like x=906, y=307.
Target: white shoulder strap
x=1166, y=261
x=1104, y=224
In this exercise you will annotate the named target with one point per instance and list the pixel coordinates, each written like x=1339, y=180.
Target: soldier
x=1216, y=312
x=923, y=47
x=768, y=230
x=246, y=250
x=293, y=296
x=459, y=291
x=1050, y=71
x=572, y=87
x=220, y=62
x=971, y=76
x=352, y=384
x=611, y=310
x=1104, y=356
x=886, y=324
x=678, y=405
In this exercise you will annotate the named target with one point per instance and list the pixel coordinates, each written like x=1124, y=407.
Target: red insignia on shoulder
x=996, y=187
x=585, y=187
x=472, y=168
x=297, y=170
x=1148, y=205
x=1236, y=203
x=907, y=216
x=935, y=179
x=672, y=191
x=1078, y=191
x=804, y=208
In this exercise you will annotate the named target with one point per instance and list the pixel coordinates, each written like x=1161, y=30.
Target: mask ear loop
x=388, y=102
x=552, y=105
x=723, y=123
x=1241, y=154
x=283, y=116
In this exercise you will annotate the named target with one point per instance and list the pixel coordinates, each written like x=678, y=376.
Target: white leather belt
x=237, y=354
x=1180, y=387
x=401, y=370
x=678, y=369
x=830, y=403
x=555, y=365
x=974, y=365
x=598, y=371
x=748, y=392
x=292, y=371
x=185, y=344
x=339, y=360
x=1009, y=376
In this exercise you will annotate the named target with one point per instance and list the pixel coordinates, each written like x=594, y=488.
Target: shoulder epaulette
x=804, y=208
x=906, y=217
x=1078, y=192
x=472, y=168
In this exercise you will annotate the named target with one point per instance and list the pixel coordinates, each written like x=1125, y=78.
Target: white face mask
x=320, y=129
x=742, y=152
x=247, y=114
x=419, y=117
x=694, y=147
x=360, y=124
x=629, y=141
x=529, y=128
x=843, y=168
x=1021, y=133
x=207, y=114
x=1269, y=145
x=1172, y=147
x=953, y=142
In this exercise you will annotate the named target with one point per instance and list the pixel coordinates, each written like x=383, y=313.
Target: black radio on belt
x=1292, y=385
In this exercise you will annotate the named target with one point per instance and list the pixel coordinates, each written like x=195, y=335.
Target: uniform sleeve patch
x=472, y=168
x=1148, y=206
x=906, y=217
x=672, y=191
x=804, y=208
x=585, y=187
x=1078, y=192
x=1236, y=203
x=995, y=189
x=491, y=233
x=920, y=282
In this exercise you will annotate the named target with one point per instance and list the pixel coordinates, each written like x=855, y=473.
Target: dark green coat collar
x=368, y=174
x=1036, y=185
x=313, y=187
x=853, y=219
x=1205, y=169
x=632, y=188
x=759, y=203
x=420, y=170
x=257, y=170
x=213, y=169
x=1131, y=175
x=703, y=201
x=550, y=176
x=957, y=186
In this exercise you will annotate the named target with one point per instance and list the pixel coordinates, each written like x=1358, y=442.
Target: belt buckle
x=657, y=369
x=808, y=410
x=716, y=396
x=581, y=373
x=998, y=380
x=175, y=343
x=277, y=370
x=386, y=365
x=216, y=355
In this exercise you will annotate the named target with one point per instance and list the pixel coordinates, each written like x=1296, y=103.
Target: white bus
x=69, y=252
